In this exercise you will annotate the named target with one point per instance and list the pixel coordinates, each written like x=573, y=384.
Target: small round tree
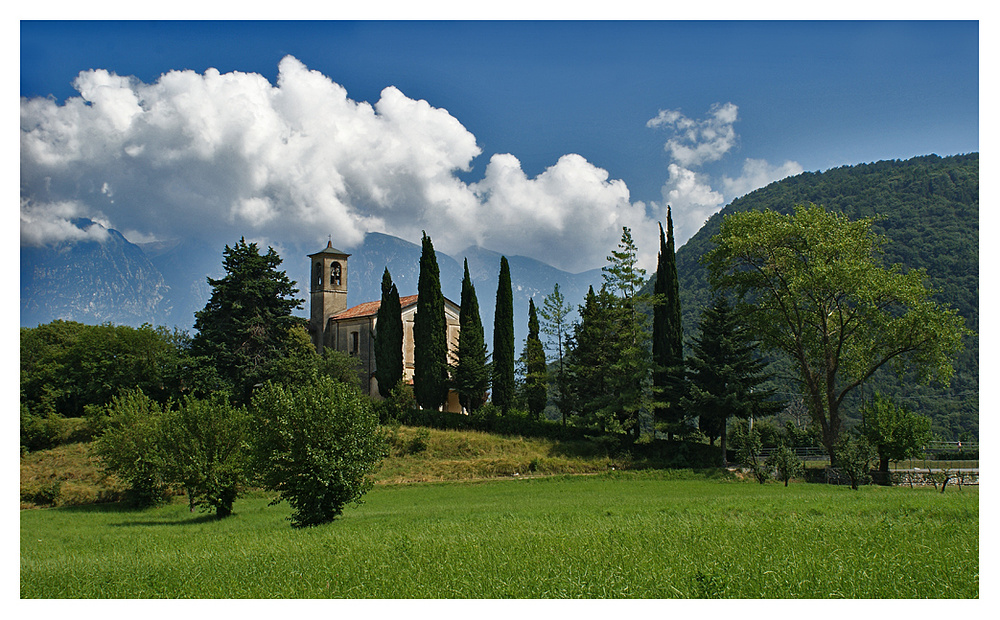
x=785, y=464
x=316, y=445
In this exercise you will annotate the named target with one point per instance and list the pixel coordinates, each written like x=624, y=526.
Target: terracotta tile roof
x=370, y=308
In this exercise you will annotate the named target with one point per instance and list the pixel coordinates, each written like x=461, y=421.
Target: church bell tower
x=328, y=290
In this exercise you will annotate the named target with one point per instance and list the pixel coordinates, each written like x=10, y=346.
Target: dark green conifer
x=471, y=374
x=503, y=341
x=726, y=375
x=668, y=352
x=430, y=335
x=388, y=338
x=535, y=379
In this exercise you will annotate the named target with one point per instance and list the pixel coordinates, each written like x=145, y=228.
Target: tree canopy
x=246, y=321
x=388, y=338
x=471, y=373
x=503, y=341
x=814, y=289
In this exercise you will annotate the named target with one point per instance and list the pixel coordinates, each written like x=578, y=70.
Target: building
x=352, y=330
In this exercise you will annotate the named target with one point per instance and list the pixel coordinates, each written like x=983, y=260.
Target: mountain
x=929, y=210
x=166, y=283
x=92, y=282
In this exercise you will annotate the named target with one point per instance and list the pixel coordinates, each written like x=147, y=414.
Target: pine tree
x=388, y=338
x=244, y=325
x=592, y=348
x=430, y=336
x=726, y=375
x=535, y=370
x=668, y=351
x=471, y=373
x=503, y=341
x=553, y=323
x=631, y=365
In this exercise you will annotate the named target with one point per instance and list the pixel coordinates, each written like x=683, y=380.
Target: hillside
x=930, y=211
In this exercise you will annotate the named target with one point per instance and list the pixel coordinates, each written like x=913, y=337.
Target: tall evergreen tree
x=388, y=338
x=668, y=351
x=592, y=348
x=470, y=373
x=430, y=335
x=503, y=341
x=535, y=379
x=631, y=365
x=553, y=323
x=726, y=375
x=244, y=325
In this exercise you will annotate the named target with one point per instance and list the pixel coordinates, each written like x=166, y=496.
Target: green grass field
x=614, y=535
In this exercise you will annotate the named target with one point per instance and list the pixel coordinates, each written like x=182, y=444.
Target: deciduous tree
x=819, y=295
x=316, y=446
x=895, y=432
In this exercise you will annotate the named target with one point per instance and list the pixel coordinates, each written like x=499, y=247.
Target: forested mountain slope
x=930, y=207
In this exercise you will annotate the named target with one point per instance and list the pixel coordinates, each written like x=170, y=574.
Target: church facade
x=352, y=330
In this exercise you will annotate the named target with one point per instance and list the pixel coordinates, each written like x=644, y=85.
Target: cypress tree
x=535, y=371
x=471, y=373
x=388, y=338
x=503, y=341
x=430, y=335
x=668, y=352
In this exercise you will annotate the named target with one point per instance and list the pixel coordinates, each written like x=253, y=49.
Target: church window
x=319, y=275
x=354, y=343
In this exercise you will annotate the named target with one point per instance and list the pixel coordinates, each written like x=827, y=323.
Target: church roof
x=329, y=249
x=370, y=308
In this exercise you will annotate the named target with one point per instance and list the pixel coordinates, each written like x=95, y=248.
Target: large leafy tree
x=668, y=348
x=430, y=335
x=535, y=378
x=503, y=341
x=470, y=373
x=816, y=291
x=725, y=374
x=553, y=323
x=388, y=338
x=245, y=323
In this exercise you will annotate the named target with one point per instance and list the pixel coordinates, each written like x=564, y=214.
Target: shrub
x=785, y=464
x=316, y=445
x=128, y=447
x=203, y=449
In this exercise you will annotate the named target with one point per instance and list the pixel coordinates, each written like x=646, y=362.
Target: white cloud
x=692, y=201
x=47, y=223
x=219, y=156
x=756, y=174
x=697, y=142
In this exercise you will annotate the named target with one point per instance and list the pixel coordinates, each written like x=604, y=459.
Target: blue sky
x=535, y=138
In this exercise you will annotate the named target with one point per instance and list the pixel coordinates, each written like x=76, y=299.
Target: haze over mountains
x=165, y=284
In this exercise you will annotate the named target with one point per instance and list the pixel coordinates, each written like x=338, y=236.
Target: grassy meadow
x=665, y=534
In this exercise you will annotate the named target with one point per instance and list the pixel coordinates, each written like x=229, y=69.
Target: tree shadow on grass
x=204, y=518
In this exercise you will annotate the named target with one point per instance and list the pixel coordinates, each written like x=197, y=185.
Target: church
x=352, y=330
